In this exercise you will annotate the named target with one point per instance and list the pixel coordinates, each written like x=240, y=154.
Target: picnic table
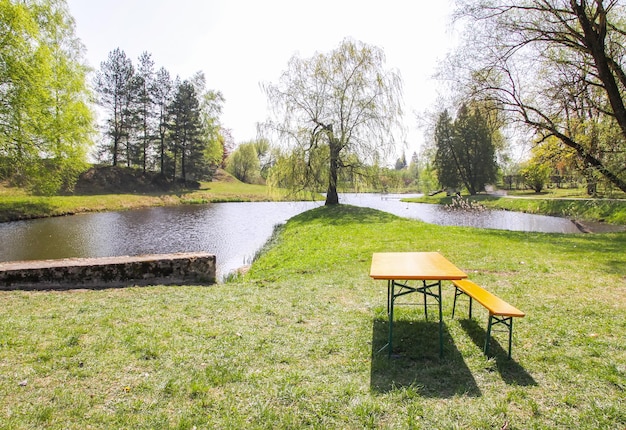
x=399, y=268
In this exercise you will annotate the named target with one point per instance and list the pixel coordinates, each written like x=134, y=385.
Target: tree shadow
x=415, y=361
x=510, y=370
x=343, y=214
x=11, y=211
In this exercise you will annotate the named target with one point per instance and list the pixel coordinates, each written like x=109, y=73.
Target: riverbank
x=16, y=204
x=585, y=212
x=293, y=343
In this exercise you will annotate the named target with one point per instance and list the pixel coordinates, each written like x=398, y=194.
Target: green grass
x=612, y=211
x=292, y=344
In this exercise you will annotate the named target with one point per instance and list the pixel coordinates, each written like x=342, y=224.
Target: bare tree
x=341, y=108
x=556, y=66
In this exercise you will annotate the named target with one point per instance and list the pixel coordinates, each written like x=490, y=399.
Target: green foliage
x=267, y=155
x=536, y=175
x=145, y=108
x=114, y=87
x=162, y=97
x=341, y=109
x=46, y=124
x=428, y=180
x=244, y=163
x=465, y=150
x=445, y=158
x=186, y=133
x=401, y=162
x=301, y=170
x=414, y=168
x=210, y=102
x=156, y=123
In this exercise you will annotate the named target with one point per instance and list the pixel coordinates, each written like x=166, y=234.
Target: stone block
x=106, y=272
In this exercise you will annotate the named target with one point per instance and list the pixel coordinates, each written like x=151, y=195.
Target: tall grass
x=293, y=343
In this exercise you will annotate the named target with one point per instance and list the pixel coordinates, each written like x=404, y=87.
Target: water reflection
x=234, y=232
x=436, y=214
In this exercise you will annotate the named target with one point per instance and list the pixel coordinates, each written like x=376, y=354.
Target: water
x=234, y=232
x=437, y=214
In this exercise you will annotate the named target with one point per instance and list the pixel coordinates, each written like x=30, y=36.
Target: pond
x=234, y=232
x=438, y=214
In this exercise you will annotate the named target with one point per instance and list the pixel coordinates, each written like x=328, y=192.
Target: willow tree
x=340, y=110
x=556, y=66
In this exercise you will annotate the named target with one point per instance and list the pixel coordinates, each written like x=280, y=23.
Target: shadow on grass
x=415, y=361
x=343, y=214
x=512, y=373
x=10, y=211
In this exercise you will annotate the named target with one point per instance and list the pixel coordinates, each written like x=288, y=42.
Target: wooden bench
x=500, y=312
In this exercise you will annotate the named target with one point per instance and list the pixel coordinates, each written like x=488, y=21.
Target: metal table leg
x=426, y=290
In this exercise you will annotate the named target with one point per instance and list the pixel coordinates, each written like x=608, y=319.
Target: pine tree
x=114, y=85
x=164, y=88
x=185, y=128
x=146, y=104
x=474, y=149
x=465, y=150
x=446, y=161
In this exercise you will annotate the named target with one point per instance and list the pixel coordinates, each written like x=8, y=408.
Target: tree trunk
x=183, y=162
x=332, y=198
x=594, y=39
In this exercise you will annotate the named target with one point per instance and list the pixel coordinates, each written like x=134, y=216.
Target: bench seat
x=494, y=304
x=500, y=312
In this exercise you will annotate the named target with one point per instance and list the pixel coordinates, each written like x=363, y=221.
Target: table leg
x=405, y=289
x=440, y=323
x=388, y=296
x=390, y=314
x=424, y=288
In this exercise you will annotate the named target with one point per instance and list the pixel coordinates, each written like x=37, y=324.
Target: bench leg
x=510, y=335
x=508, y=322
x=486, y=348
x=458, y=292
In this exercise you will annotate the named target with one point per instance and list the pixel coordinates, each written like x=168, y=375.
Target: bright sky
x=239, y=44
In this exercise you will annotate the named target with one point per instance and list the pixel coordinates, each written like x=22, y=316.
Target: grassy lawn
x=292, y=344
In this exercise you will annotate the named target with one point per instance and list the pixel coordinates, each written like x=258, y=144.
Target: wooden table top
x=413, y=265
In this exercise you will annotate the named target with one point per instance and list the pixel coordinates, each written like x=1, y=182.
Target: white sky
x=239, y=44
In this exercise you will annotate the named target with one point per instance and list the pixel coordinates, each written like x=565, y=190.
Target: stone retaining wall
x=106, y=272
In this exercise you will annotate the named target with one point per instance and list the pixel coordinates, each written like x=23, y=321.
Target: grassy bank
x=17, y=204
x=612, y=211
x=292, y=345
